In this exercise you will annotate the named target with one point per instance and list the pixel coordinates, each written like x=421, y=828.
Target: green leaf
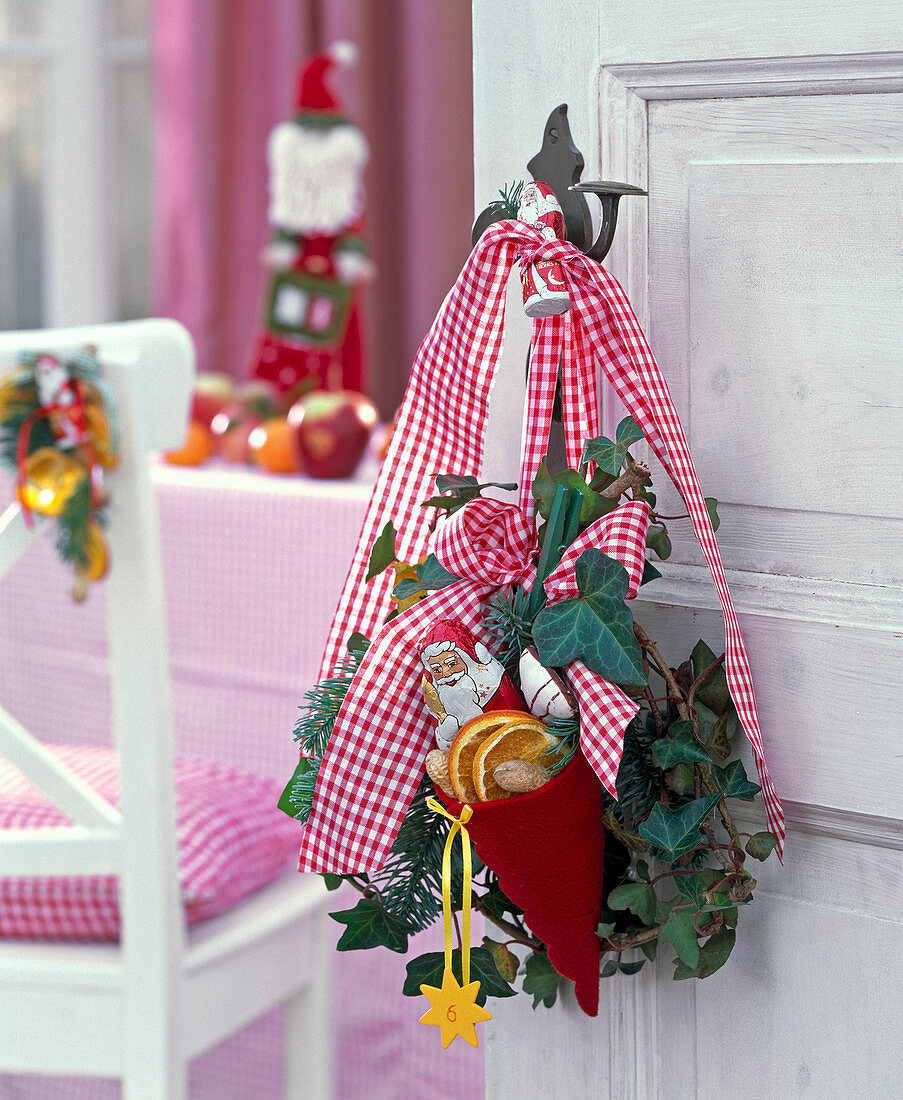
x=642, y=869
x=691, y=887
x=712, y=956
x=333, y=882
x=542, y=980
x=761, y=845
x=383, y=553
x=428, y=970
x=681, y=779
x=668, y=753
x=592, y=506
x=650, y=573
x=677, y=831
x=596, y=627
x=637, y=897
x=286, y=803
x=649, y=949
x=496, y=902
x=681, y=931
x=713, y=691
x=733, y=781
x=609, y=969
x=603, y=931
x=631, y=968
x=658, y=542
x=369, y=925
x=431, y=574
x=457, y=490
x=711, y=506
x=719, y=739
x=357, y=645
x=610, y=456
x=506, y=961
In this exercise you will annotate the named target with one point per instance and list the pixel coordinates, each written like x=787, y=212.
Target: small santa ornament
x=463, y=679
x=545, y=290
x=316, y=257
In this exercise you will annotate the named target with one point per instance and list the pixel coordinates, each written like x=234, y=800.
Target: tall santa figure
x=315, y=258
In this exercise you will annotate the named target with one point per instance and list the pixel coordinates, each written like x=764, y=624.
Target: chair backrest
x=149, y=366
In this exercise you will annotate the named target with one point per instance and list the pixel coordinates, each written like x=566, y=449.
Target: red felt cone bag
x=546, y=848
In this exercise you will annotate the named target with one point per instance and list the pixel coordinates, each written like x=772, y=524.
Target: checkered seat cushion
x=232, y=841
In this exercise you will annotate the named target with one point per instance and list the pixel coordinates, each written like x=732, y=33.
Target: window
x=75, y=161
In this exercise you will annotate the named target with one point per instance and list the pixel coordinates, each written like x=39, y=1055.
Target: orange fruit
x=272, y=446
x=464, y=747
x=197, y=448
x=527, y=739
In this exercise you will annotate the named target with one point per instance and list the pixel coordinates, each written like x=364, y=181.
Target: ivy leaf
x=713, y=691
x=369, y=925
x=496, y=902
x=456, y=490
x=677, y=831
x=609, y=969
x=603, y=931
x=734, y=782
x=592, y=506
x=506, y=961
x=638, y=897
x=596, y=627
x=650, y=573
x=333, y=882
x=711, y=506
x=642, y=869
x=668, y=753
x=712, y=956
x=610, y=456
x=649, y=949
x=428, y=970
x=658, y=542
x=631, y=968
x=680, y=929
x=383, y=553
x=719, y=740
x=761, y=845
x=542, y=980
x=430, y=574
x=357, y=644
x=691, y=887
x=681, y=779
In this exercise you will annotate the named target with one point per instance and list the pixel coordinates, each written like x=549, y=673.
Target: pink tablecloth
x=253, y=567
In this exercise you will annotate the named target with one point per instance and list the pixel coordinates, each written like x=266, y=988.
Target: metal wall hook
x=560, y=164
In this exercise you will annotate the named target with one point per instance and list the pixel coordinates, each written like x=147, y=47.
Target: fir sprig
x=509, y=626
x=411, y=880
x=511, y=196
x=72, y=534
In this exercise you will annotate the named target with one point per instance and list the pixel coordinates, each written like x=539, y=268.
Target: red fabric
x=547, y=849
x=312, y=93
x=232, y=841
x=367, y=782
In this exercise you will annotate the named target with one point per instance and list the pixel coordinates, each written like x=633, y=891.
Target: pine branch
x=509, y=626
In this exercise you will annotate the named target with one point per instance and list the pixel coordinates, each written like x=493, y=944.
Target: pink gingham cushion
x=232, y=841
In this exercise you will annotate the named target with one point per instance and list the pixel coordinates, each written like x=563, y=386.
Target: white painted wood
x=766, y=268
x=142, y=1009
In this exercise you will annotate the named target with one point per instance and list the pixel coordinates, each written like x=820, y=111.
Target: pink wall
x=224, y=77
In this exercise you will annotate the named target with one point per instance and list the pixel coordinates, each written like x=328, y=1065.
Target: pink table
x=253, y=567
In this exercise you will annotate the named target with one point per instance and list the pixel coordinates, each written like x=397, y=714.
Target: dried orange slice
x=463, y=749
x=527, y=740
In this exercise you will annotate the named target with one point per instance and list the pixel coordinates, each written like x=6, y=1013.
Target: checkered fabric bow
x=374, y=760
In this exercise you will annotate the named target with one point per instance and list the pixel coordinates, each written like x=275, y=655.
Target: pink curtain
x=224, y=74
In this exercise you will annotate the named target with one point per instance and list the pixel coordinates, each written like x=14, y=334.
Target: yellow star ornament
x=453, y=1008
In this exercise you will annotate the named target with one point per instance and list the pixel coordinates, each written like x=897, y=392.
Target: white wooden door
x=767, y=268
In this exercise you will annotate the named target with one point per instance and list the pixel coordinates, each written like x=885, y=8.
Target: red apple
x=212, y=392
x=332, y=430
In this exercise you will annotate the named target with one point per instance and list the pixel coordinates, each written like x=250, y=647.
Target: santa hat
x=447, y=632
x=312, y=93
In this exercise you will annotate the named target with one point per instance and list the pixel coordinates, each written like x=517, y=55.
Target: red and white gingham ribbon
x=375, y=756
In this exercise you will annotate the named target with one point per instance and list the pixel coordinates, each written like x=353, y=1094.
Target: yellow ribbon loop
x=458, y=825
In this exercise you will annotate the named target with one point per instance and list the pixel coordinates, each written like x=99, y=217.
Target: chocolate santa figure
x=316, y=257
x=544, y=287
x=463, y=679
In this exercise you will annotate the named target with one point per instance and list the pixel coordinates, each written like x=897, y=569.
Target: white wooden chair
x=141, y=1009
